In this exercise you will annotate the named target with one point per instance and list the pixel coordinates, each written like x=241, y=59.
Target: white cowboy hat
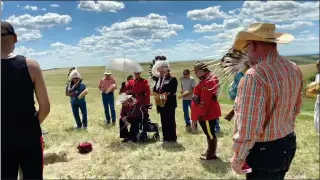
x=107, y=72
x=261, y=32
x=74, y=74
x=123, y=98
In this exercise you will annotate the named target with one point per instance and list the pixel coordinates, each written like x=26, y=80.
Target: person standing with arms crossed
x=20, y=121
x=107, y=85
x=268, y=101
x=205, y=107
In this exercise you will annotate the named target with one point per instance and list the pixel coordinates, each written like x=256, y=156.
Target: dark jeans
x=208, y=128
x=82, y=105
x=108, y=101
x=168, y=122
x=272, y=160
x=132, y=134
x=26, y=153
x=186, y=104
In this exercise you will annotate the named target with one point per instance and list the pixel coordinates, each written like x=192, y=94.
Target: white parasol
x=124, y=65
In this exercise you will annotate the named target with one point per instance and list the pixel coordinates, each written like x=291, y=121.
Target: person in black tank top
x=20, y=121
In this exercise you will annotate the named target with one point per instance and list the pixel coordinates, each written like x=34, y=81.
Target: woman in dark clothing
x=166, y=86
x=130, y=114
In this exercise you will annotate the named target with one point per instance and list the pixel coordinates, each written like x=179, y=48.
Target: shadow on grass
x=73, y=129
x=121, y=146
x=173, y=147
x=214, y=166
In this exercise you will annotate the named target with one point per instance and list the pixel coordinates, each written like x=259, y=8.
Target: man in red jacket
x=205, y=107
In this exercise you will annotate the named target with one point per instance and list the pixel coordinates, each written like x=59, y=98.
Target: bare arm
x=40, y=89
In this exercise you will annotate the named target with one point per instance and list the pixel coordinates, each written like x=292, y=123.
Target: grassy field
x=112, y=159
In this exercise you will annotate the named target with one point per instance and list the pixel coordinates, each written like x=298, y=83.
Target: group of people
x=267, y=101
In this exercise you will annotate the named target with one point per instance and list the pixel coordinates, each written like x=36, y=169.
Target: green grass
x=112, y=159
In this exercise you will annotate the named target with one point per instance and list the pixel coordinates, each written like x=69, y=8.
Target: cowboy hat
x=200, y=65
x=107, y=73
x=123, y=98
x=261, y=32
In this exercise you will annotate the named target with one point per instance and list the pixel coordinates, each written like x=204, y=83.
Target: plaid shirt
x=104, y=83
x=267, y=103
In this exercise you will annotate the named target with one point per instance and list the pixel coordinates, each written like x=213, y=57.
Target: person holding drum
x=164, y=90
x=77, y=91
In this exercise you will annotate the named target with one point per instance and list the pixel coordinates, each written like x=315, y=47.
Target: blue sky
x=88, y=33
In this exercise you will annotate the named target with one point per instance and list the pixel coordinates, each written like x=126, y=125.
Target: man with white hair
x=20, y=121
x=268, y=101
x=165, y=90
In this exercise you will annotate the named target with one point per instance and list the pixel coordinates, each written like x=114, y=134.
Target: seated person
x=130, y=115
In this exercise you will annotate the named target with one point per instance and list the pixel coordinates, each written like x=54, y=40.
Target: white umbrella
x=124, y=65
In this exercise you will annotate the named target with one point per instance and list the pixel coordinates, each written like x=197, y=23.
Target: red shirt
x=207, y=109
x=140, y=90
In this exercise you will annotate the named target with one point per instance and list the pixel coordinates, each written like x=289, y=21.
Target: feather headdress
x=153, y=74
x=233, y=62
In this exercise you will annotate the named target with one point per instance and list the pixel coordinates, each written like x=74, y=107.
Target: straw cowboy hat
x=123, y=98
x=107, y=72
x=199, y=65
x=74, y=74
x=261, y=32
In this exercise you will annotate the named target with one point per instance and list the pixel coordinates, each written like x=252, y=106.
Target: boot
x=212, y=148
x=205, y=154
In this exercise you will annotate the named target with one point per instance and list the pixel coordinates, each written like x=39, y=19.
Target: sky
x=90, y=33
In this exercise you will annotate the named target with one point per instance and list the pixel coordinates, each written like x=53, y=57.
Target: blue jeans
x=108, y=100
x=186, y=104
x=217, y=125
x=82, y=105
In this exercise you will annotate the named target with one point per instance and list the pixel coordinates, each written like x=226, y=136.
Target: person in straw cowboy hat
x=130, y=115
x=77, y=94
x=205, y=107
x=266, y=106
x=107, y=85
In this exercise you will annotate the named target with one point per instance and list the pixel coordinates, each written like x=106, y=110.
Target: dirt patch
x=55, y=157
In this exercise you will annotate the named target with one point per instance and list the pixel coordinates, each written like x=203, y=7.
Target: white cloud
x=2, y=4
x=54, y=5
x=281, y=11
x=36, y=22
x=227, y=24
x=28, y=27
x=43, y=9
x=209, y=13
x=152, y=26
x=27, y=34
x=68, y=28
x=307, y=38
x=304, y=32
x=101, y=6
x=296, y=25
x=32, y=8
